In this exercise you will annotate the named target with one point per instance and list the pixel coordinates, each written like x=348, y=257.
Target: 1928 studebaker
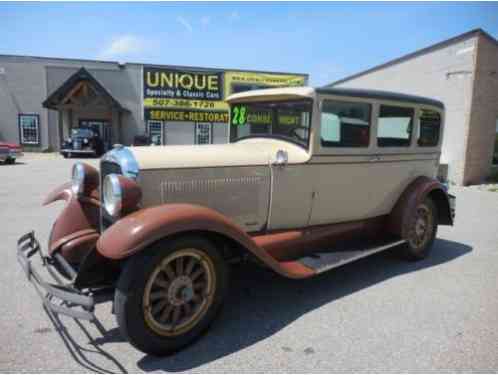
x=311, y=179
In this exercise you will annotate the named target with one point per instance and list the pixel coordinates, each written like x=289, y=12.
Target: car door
x=291, y=198
x=340, y=167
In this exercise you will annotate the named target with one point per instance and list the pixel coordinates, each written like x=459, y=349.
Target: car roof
x=286, y=93
x=378, y=94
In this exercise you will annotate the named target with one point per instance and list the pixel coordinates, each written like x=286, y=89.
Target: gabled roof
x=82, y=74
x=444, y=43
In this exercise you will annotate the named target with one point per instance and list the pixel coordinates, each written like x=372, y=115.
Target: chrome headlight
x=113, y=195
x=78, y=178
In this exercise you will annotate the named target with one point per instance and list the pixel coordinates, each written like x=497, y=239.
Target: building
x=462, y=72
x=42, y=99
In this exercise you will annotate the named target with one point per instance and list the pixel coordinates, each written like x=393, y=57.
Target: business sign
x=186, y=89
x=186, y=115
x=172, y=94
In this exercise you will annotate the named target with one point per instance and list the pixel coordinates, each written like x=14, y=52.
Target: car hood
x=255, y=151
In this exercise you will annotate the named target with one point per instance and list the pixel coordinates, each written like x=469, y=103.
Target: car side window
x=345, y=124
x=395, y=126
x=430, y=127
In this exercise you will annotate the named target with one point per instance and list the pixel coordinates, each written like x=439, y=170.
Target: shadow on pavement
x=261, y=303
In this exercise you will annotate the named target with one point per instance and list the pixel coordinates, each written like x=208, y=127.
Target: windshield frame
x=309, y=101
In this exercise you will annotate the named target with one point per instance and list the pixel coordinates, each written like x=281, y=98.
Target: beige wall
x=482, y=126
x=445, y=74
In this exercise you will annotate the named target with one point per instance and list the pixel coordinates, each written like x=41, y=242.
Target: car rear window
x=430, y=127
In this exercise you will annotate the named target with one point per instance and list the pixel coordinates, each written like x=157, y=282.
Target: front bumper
x=59, y=297
x=79, y=151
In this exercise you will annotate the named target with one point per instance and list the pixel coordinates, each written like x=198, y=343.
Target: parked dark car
x=83, y=141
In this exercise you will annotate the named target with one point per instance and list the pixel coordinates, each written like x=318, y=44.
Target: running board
x=322, y=261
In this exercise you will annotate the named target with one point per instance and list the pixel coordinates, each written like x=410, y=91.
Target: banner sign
x=241, y=81
x=175, y=88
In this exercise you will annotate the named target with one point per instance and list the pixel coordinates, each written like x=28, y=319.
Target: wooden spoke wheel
x=169, y=294
x=421, y=231
x=178, y=292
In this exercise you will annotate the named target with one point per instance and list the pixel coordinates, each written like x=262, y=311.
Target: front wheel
x=421, y=231
x=168, y=295
x=10, y=161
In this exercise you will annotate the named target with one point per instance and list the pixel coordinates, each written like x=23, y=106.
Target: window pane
x=394, y=126
x=29, y=129
x=203, y=134
x=345, y=124
x=430, y=125
x=156, y=132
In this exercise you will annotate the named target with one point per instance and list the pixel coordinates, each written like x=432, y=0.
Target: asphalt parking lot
x=378, y=314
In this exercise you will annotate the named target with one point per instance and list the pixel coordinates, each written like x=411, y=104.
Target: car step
x=322, y=261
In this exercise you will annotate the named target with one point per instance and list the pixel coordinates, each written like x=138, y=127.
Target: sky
x=326, y=40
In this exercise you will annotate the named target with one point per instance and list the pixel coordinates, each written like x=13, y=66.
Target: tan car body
x=277, y=212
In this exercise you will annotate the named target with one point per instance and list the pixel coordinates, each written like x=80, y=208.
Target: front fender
x=414, y=194
x=75, y=230
x=140, y=229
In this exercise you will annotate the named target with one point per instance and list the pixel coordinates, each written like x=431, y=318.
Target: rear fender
x=137, y=231
x=404, y=210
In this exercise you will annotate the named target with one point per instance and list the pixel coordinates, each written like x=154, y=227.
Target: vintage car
x=83, y=141
x=9, y=152
x=311, y=179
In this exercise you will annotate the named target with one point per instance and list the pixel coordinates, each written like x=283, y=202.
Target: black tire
x=10, y=161
x=416, y=248
x=64, y=155
x=132, y=285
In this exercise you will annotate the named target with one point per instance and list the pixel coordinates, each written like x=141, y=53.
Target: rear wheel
x=421, y=231
x=168, y=295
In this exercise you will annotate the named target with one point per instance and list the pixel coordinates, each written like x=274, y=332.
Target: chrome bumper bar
x=58, y=297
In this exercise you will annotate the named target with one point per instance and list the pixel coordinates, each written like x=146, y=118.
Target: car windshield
x=81, y=133
x=289, y=120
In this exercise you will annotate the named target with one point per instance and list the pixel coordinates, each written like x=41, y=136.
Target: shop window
x=430, y=127
x=156, y=132
x=29, y=129
x=395, y=126
x=495, y=153
x=345, y=124
x=203, y=133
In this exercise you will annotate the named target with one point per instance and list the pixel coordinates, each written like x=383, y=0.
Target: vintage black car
x=83, y=141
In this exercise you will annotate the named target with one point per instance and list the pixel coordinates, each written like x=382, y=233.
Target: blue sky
x=326, y=40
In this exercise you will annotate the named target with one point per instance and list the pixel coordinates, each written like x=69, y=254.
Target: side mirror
x=281, y=158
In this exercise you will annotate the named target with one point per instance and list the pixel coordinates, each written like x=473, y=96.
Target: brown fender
x=76, y=229
x=413, y=195
x=136, y=231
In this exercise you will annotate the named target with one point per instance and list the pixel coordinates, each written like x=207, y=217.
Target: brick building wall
x=483, y=117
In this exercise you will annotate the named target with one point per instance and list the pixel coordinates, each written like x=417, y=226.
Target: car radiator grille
x=106, y=168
